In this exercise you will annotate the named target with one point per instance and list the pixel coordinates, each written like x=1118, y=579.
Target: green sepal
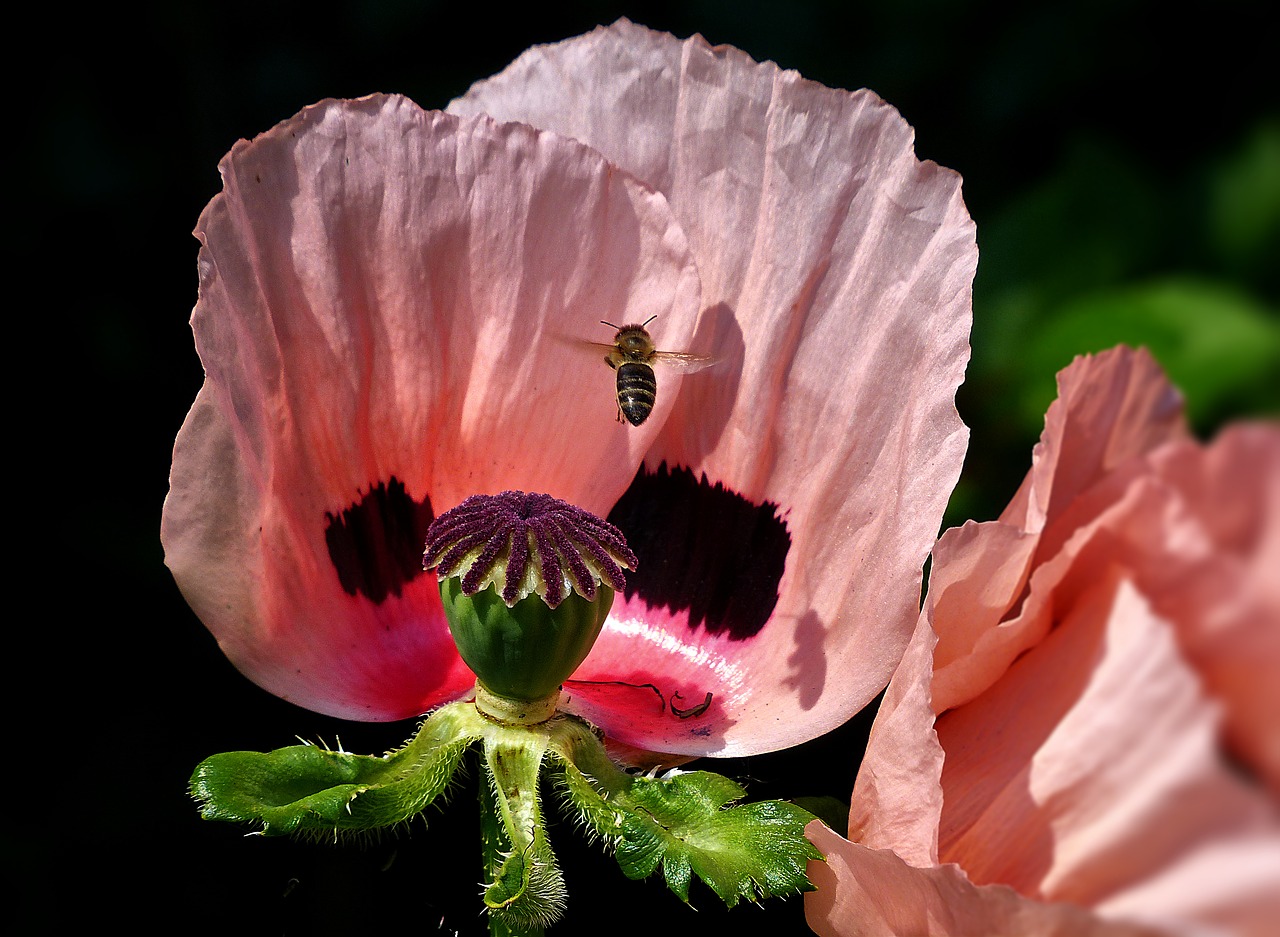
x=308, y=788
x=687, y=825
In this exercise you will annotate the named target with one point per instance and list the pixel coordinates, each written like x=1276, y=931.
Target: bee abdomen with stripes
x=637, y=391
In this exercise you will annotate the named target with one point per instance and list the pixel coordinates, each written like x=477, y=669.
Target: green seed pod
x=527, y=582
x=524, y=652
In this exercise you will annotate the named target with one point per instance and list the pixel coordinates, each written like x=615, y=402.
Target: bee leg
x=619, y=414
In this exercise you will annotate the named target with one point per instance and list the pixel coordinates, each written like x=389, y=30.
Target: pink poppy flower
x=391, y=315
x=1085, y=717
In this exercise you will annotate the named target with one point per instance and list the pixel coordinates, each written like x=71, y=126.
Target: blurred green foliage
x=1107, y=250
x=1216, y=342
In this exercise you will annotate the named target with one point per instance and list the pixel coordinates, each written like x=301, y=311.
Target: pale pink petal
x=1224, y=887
x=1199, y=530
x=389, y=300
x=979, y=571
x=1111, y=407
x=1089, y=773
x=863, y=892
x=836, y=271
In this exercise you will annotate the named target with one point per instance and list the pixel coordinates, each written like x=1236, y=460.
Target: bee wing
x=684, y=360
x=583, y=344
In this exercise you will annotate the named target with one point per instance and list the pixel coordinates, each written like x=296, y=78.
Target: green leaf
x=687, y=824
x=308, y=788
x=830, y=810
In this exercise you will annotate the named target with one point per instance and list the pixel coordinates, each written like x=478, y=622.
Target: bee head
x=632, y=337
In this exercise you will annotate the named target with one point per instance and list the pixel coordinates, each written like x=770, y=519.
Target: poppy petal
x=1093, y=766
x=1110, y=409
x=897, y=795
x=836, y=271
x=1217, y=581
x=864, y=892
x=1097, y=628
x=390, y=314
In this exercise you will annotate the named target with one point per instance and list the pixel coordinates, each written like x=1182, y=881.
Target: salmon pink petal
x=1218, y=580
x=1199, y=529
x=1089, y=773
x=784, y=512
x=897, y=796
x=1111, y=408
x=1082, y=760
x=390, y=314
x=864, y=892
x=1093, y=766
x=1224, y=887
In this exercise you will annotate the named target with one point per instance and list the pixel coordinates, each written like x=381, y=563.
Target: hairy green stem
x=493, y=853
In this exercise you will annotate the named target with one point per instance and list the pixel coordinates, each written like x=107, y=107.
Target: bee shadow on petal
x=706, y=401
x=808, y=660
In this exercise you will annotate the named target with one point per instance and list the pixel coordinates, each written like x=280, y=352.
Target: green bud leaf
x=307, y=788
x=686, y=825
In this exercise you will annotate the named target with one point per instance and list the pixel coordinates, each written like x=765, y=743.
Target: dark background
x=1122, y=162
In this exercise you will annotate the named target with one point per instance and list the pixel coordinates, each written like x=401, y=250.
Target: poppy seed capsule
x=527, y=581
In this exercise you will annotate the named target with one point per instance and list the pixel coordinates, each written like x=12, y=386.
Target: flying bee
x=632, y=355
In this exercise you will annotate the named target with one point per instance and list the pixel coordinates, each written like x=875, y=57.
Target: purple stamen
x=486, y=539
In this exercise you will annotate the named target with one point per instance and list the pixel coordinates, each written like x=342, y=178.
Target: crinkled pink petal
x=1111, y=407
x=836, y=272
x=1226, y=886
x=1199, y=528
x=390, y=305
x=863, y=892
x=1090, y=774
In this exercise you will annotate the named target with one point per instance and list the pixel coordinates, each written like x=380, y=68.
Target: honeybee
x=632, y=355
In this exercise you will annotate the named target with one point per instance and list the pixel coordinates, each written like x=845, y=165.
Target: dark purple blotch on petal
x=703, y=549
x=375, y=545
